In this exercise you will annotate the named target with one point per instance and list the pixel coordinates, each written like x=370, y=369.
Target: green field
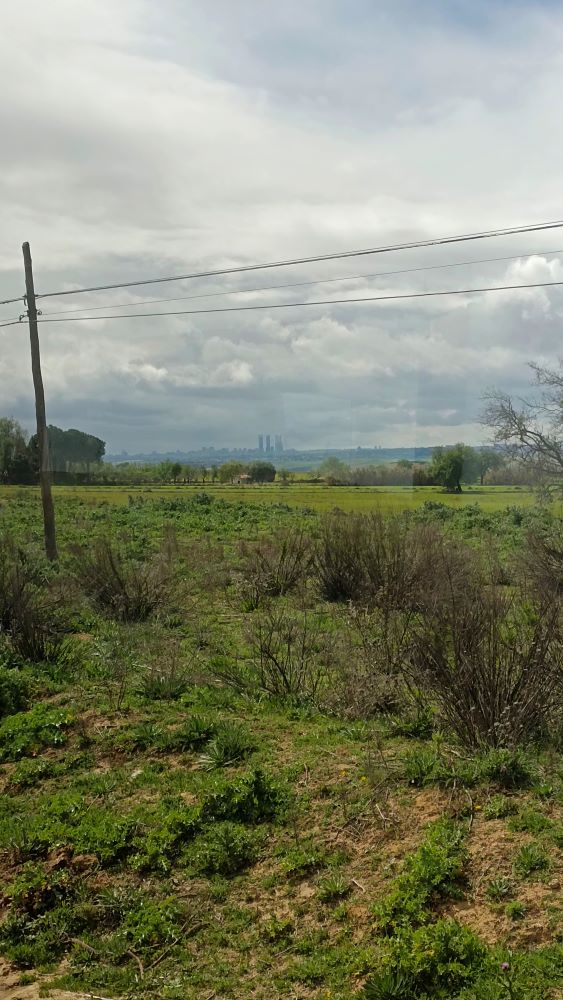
x=317, y=497
x=218, y=780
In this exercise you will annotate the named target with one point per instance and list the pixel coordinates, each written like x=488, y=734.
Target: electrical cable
x=439, y=241
x=317, y=302
x=302, y=284
x=8, y=302
x=13, y=322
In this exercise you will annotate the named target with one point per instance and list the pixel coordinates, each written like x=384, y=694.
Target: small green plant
x=298, y=862
x=499, y=807
x=225, y=849
x=231, y=744
x=26, y=733
x=424, y=767
x=532, y=859
x=333, y=887
x=14, y=691
x=499, y=889
x=505, y=767
x=252, y=798
x=530, y=821
x=31, y=772
x=515, y=910
x=194, y=734
x=166, y=681
x=431, y=961
x=435, y=870
x=277, y=929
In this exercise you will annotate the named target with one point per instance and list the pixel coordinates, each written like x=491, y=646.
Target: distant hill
x=288, y=459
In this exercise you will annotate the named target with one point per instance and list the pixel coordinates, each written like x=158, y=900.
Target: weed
x=166, y=680
x=231, y=744
x=499, y=807
x=25, y=733
x=298, y=862
x=333, y=887
x=530, y=821
x=14, y=692
x=194, y=734
x=515, y=910
x=499, y=889
x=225, y=849
x=433, y=961
x=531, y=860
x=435, y=870
x=253, y=798
x=425, y=767
x=274, y=567
x=508, y=768
x=277, y=929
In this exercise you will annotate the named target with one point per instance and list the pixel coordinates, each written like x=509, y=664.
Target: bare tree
x=532, y=430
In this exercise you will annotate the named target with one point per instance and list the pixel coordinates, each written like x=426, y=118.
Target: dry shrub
x=290, y=655
x=29, y=609
x=338, y=558
x=377, y=561
x=542, y=561
x=369, y=678
x=127, y=589
x=274, y=567
x=493, y=670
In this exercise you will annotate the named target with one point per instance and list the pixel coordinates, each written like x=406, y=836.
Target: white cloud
x=140, y=140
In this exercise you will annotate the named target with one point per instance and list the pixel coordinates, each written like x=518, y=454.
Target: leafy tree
x=334, y=471
x=16, y=459
x=230, y=471
x=532, y=430
x=284, y=476
x=447, y=467
x=163, y=471
x=262, y=472
x=487, y=460
x=176, y=471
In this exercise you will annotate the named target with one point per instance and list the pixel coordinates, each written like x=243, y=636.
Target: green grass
x=163, y=834
x=388, y=499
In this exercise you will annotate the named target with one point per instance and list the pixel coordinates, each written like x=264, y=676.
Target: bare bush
x=274, y=567
x=290, y=656
x=369, y=678
x=542, y=561
x=128, y=589
x=29, y=610
x=494, y=673
x=338, y=559
x=378, y=561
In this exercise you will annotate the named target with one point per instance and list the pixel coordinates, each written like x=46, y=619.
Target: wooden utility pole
x=42, y=436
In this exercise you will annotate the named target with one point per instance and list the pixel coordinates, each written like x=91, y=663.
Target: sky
x=141, y=140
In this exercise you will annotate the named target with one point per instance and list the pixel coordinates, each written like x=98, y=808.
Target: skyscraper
x=260, y=442
x=268, y=443
x=279, y=444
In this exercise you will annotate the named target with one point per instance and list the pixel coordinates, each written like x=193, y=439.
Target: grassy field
x=180, y=818
x=315, y=497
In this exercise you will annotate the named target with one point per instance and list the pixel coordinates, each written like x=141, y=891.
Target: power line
x=317, y=302
x=302, y=284
x=439, y=241
x=13, y=322
x=8, y=302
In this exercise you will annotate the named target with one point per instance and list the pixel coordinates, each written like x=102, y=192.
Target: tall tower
x=279, y=444
x=260, y=442
x=268, y=444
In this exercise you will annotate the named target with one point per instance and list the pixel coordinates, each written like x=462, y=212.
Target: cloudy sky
x=140, y=139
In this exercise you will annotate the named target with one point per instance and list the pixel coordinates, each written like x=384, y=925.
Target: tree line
x=71, y=452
